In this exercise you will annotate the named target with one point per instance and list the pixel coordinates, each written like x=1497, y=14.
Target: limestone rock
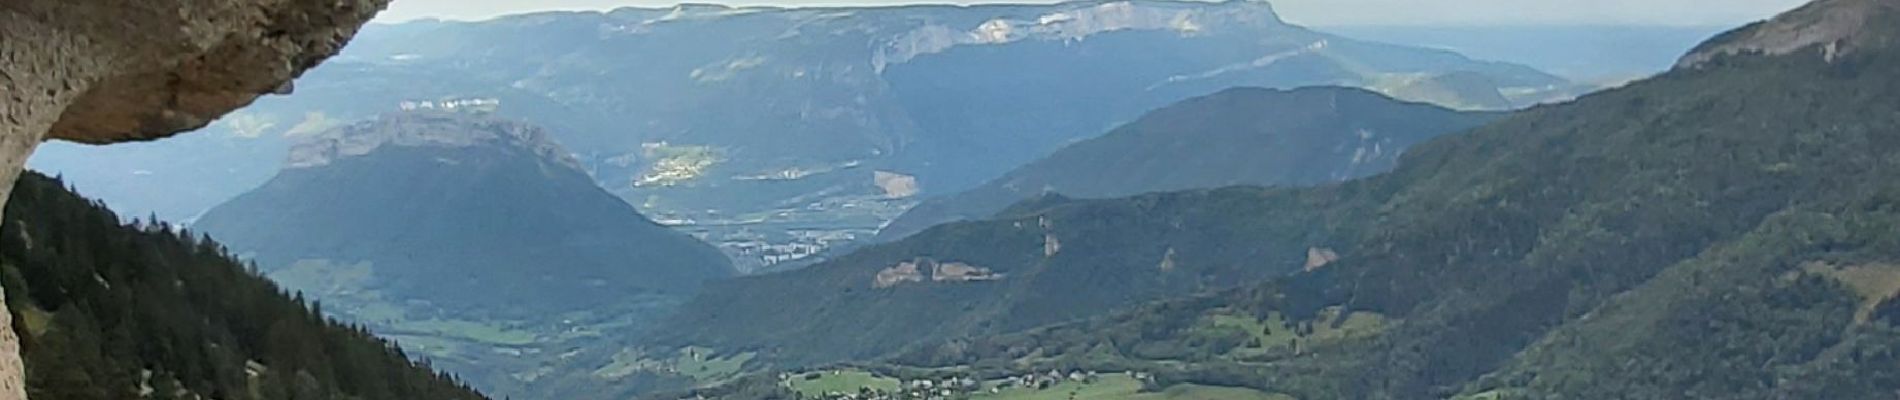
x=1836, y=27
x=427, y=129
x=1317, y=258
x=106, y=71
x=150, y=69
x=896, y=185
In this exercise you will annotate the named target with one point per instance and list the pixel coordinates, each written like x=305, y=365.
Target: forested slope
x=109, y=310
x=1725, y=230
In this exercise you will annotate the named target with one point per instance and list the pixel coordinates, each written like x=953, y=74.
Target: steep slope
x=1017, y=272
x=1025, y=271
x=104, y=72
x=474, y=236
x=1725, y=230
x=778, y=119
x=112, y=311
x=1259, y=137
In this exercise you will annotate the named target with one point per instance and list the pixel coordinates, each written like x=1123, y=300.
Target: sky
x=1305, y=12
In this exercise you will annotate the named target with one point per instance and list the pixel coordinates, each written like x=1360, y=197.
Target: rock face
x=1836, y=27
x=492, y=202
x=427, y=129
x=100, y=72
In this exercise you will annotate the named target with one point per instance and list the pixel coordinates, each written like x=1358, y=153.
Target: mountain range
x=1723, y=230
x=1602, y=54
x=463, y=234
x=779, y=119
x=1273, y=213
x=1032, y=266
x=1243, y=136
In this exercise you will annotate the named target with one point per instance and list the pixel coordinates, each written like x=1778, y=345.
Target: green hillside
x=1241, y=136
x=1722, y=231
x=116, y=311
x=1725, y=230
x=473, y=239
x=1037, y=272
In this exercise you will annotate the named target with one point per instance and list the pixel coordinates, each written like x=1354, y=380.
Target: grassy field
x=1114, y=386
x=710, y=368
x=703, y=365
x=472, y=331
x=1274, y=332
x=1270, y=333
x=1122, y=387
x=1874, y=283
x=841, y=382
x=436, y=347
x=348, y=285
x=323, y=277
x=35, y=320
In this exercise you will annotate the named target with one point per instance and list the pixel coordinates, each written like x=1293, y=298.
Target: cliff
x=1834, y=27
x=97, y=71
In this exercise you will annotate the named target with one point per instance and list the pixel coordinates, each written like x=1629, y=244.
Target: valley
x=1089, y=199
x=947, y=98
x=1634, y=243
x=778, y=238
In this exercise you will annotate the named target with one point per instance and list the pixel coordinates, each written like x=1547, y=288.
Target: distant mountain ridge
x=473, y=237
x=1723, y=230
x=493, y=203
x=427, y=129
x=721, y=117
x=1237, y=137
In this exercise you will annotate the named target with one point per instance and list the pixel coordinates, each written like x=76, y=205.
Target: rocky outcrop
x=1317, y=257
x=96, y=71
x=425, y=128
x=902, y=273
x=1835, y=27
x=914, y=271
x=896, y=185
x=1078, y=21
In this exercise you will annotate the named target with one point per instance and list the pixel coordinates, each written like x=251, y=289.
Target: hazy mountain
x=473, y=237
x=1590, y=54
x=459, y=209
x=1724, y=230
x=108, y=310
x=783, y=119
x=1260, y=137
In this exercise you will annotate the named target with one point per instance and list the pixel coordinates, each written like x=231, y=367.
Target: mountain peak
x=1078, y=20
x=427, y=129
x=1838, y=27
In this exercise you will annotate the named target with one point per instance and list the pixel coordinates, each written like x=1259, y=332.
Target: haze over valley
x=1100, y=199
x=779, y=133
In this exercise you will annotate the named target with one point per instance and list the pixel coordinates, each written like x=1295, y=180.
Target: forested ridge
x=1241, y=136
x=111, y=310
x=1725, y=230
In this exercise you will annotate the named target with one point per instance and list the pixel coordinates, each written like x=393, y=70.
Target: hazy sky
x=1308, y=12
